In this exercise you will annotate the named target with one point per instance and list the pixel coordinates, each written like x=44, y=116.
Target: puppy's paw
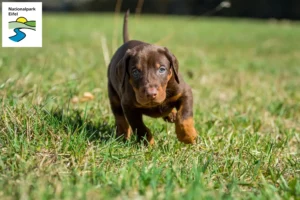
x=171, y=118
x=186, y=131
x=149, y=142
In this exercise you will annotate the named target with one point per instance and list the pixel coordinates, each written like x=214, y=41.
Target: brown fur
x=174, y=98
x=143, y=79
x=123, y=128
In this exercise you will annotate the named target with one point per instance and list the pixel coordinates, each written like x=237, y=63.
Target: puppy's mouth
x=144, y=102
x=153, y=103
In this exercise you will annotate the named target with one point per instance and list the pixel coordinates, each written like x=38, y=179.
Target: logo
x=21, y=24
x=18, y=25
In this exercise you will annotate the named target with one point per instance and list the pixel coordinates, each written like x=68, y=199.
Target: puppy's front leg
x=135, y=119
x=184, y=123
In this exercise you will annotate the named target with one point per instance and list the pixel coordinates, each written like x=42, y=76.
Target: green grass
x=246, y=85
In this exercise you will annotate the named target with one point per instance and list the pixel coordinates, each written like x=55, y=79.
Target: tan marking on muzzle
x=134, y=88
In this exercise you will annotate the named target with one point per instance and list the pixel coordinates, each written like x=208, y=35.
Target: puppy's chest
x=160, y=110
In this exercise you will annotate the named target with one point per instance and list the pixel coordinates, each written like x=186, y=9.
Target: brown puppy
x=143, y=79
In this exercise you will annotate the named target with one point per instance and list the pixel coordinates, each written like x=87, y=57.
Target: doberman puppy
x=143, y=79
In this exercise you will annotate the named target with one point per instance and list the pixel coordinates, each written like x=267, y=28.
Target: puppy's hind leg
x=123, y=129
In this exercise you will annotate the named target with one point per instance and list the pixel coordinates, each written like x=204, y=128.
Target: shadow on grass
x=74, y=121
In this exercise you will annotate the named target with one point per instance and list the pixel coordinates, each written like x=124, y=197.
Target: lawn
x=245, y=74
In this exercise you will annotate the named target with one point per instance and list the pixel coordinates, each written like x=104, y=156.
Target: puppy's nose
x=151, y=92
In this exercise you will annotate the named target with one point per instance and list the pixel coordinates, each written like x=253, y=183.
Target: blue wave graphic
x=19, y=35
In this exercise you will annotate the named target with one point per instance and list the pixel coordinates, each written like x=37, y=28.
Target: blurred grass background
x=245, y=80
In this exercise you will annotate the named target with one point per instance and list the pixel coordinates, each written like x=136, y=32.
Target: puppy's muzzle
x=151, y=92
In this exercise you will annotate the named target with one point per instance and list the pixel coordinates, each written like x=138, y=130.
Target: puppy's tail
x=125, y=27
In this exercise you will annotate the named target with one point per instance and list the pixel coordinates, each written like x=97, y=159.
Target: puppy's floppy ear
x=174, y=63
x=122, y=66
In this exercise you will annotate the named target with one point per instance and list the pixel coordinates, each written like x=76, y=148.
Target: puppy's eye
x=162, y=70
x=135, y=73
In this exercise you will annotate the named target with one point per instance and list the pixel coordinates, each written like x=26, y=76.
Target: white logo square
x=21, y=24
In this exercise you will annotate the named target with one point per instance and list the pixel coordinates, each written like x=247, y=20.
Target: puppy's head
x=149, y=69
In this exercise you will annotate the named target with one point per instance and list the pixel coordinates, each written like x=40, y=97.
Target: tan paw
x=186, y=131
x=171, y=118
